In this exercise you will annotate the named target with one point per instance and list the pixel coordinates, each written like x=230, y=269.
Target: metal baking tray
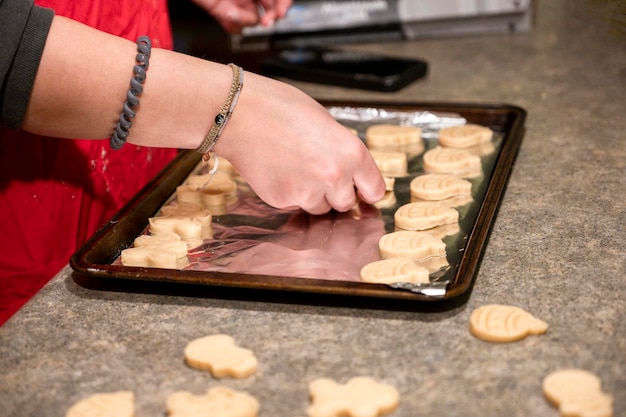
x=96, y=263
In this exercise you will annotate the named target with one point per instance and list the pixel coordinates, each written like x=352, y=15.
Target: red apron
x=55, y=193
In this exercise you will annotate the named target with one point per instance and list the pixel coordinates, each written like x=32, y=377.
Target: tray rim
x=458, y=290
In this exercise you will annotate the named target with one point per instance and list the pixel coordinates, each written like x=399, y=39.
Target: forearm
x=80, y=89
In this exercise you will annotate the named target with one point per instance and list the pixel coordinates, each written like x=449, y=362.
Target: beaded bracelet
x=144, y=46
x=222, y=117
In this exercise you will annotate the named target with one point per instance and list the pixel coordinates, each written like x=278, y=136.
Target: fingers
x=369, y=183
x=273, y=10
x=341, y=198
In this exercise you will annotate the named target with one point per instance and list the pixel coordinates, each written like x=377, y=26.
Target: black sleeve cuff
x=24, y=32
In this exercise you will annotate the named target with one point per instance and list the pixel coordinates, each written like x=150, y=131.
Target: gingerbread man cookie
x=359, y=397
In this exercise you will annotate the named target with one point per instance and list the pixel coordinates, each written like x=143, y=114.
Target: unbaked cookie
x=439, y=187
x=359, y=397
x=421, y=216
x=217, y=402
x=457, y=201
x=189, y=230
x=577, y=393
x=389, y=271
x=392, y=136
x=220, y=355
x=459, y=162
x=464, y=136
x=115, y=404
x=213, y=192
x=504, y=323
x=193, y=211
x=439, y=232
x=391, y=163
x=411, y=245
x=165, y=250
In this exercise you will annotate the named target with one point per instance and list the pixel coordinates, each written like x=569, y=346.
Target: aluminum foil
x=253, y=238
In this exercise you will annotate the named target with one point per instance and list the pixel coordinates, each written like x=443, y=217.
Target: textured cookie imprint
x=439, y=186
x=464, y=136
x=217, y=402
x=410, y=245
x=459, y=162
x=389, y=271
x=390, y=163
x=577, y=393
x=115, y=404
x=359, y=397
x=503, y=323
x=220, y=355
x=422, y=216
x=392, y=136
x=165, y=250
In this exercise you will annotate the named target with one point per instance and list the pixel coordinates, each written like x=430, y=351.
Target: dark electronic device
x=353, y=69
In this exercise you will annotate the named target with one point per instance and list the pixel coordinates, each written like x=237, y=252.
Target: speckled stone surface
x=557, y=249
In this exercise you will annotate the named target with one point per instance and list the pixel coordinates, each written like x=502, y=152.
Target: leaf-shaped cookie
x=452, y=161
x=504, y=323
x=421, y=216
x=389, y=271
x=439, y=186
x=464, y=136
x=411, y=245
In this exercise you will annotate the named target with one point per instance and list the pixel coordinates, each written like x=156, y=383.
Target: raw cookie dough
x=459, y=162
x=389, y=271
x=577, y=393
x=439, y=187
x=189, y=230
x=359, y=397
x=165, y=250
x=411, y=245
x=421, y=216
x=391, y=163
x=220, y=355
x=504, y=323
x=392, y=136
x=217, y=402
x=464, y=136
x=214, y=193
x=115, y=404
x=193, y=211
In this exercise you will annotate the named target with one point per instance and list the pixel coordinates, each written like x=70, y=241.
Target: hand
x=293, y=153
x=234, y=15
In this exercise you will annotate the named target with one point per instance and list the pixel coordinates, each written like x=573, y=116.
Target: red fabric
x=55, y=193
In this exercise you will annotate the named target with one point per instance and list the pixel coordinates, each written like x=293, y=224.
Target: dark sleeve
x=24, y=29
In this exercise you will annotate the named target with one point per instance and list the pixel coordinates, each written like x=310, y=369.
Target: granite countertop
x=557, y=249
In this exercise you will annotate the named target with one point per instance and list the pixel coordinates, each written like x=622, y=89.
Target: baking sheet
x=260, y=248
